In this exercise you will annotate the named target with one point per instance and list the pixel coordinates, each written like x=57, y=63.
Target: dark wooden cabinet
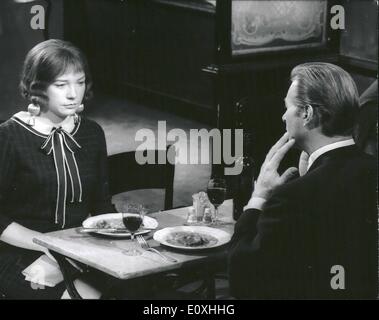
x=176, y=43
x=106, y=31
x=147, y=48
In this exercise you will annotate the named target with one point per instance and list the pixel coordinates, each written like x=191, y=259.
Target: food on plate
x=109, y=223
x=191, y=239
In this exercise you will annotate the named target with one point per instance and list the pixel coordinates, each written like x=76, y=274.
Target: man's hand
x=268, y=178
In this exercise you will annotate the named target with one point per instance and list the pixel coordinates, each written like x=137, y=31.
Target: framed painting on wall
x=274, y=25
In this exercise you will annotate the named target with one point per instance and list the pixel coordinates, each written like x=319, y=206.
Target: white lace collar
x=44, y=125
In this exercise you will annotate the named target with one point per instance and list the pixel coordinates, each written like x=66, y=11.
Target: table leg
x=210, y=285
x=69, y=282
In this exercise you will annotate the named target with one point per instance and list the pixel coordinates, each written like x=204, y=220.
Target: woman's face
x=64, y=95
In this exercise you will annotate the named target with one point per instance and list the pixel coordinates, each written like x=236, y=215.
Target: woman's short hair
x=47, y=61
x=331, y=92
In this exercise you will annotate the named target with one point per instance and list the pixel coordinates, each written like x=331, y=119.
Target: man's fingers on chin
x=289, y=174
x=288, y=145
x=279, y=155
x=283, y=139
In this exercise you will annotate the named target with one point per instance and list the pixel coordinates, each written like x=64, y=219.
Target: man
x=312, y=236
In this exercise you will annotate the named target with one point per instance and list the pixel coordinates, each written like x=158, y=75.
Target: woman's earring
x=78, y=110
x=34, y=110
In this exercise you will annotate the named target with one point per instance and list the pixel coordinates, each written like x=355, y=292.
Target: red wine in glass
x=216, y=195
x=132, y=222
x=216, y=192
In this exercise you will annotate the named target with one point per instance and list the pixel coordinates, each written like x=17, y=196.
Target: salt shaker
x=191, y=216
x=207, y=217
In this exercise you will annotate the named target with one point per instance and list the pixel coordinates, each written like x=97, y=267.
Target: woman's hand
x=269, y=178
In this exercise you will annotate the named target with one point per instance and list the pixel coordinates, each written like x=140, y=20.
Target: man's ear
x=307, y=114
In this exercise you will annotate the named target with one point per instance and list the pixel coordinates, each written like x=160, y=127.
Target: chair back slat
x=125, y=174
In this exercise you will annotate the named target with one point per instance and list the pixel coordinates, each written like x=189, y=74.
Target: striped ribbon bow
x=62, y=146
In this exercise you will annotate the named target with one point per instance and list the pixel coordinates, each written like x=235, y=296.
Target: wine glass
x=132, y=218
x=216, y=191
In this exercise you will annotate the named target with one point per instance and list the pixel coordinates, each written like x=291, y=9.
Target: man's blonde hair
x=331, y=92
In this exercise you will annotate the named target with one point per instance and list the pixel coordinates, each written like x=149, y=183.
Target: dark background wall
x=16, y=39
x=359, y=41
x=151, y=49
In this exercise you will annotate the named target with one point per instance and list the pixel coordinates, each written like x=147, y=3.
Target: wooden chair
x=125, y=174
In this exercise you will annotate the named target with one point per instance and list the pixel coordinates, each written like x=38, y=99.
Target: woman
x=52, y=164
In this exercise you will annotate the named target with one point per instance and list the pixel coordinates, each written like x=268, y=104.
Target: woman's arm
x=10, y=231
x=19, y=236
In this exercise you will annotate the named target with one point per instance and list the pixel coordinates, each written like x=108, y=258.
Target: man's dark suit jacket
x=325, y=218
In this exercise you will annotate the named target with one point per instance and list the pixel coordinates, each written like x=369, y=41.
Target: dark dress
x=325, y=218
x=29, y=188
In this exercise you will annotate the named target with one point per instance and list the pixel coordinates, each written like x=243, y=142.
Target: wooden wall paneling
x=176, y=43
x=147, y=49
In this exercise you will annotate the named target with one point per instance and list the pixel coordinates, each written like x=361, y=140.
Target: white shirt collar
x=326, y=148
x=44, y=125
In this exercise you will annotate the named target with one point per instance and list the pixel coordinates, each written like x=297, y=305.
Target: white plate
x=114, y=220
x=169, y=237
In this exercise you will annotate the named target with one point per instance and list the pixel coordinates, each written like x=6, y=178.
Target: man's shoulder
x=344, y=162
x=363, y=158
x=358, y=167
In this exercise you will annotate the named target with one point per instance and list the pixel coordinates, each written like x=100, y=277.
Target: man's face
x=292, y=117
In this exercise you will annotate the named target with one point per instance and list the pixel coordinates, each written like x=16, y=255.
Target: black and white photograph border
x=257, y=119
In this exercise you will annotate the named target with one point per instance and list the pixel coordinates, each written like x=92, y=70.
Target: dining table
x=107, y=254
